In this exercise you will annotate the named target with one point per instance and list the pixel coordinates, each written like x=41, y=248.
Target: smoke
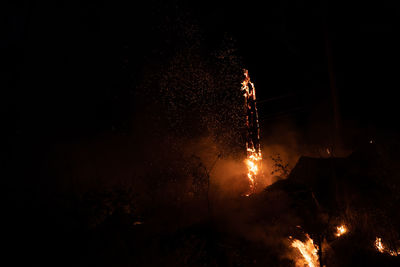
x=255, y=218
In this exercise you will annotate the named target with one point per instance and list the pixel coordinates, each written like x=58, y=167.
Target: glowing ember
x=328, y=151
x=309, y=252
x=341, y=230
x=383, y=249
x=253, y=160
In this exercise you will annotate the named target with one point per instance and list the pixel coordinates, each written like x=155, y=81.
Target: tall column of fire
x=253, y=160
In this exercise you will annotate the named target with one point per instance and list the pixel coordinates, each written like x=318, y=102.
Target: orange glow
x=341, y=230
x=309, y=252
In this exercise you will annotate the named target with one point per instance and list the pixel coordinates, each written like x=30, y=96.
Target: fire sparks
x=383, y=249
x=309, y=252
x=254, y=156
x=341, y=230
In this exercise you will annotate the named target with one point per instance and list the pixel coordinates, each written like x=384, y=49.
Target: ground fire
x=253, y=148
x=308, y=251
x=384, y=249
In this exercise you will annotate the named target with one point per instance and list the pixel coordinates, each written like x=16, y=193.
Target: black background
x=70, y=67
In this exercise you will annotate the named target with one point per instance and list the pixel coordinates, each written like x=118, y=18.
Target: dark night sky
x=71, y=66
x=69, y=70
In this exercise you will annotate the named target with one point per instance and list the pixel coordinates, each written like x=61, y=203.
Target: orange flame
x=379, y=246
x=309, y=252
x=245, y=86
x=341, y=230
x=383, y=249
x=254, y=156
x=253, y=166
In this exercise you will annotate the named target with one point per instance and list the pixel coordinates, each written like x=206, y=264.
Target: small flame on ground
x=308, y=250
x=341, y=230
x=383, y=249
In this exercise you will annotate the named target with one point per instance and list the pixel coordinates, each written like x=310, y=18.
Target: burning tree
x=253, y=147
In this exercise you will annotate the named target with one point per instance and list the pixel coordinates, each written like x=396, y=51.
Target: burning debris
x=308, y=250
x=254, y=156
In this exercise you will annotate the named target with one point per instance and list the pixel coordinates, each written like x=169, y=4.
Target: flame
x=341, y=230
x=308, y=250
x=253, y=166
x=379, y=246
x=254, y=156
x=383, y=249
x=245, y=86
